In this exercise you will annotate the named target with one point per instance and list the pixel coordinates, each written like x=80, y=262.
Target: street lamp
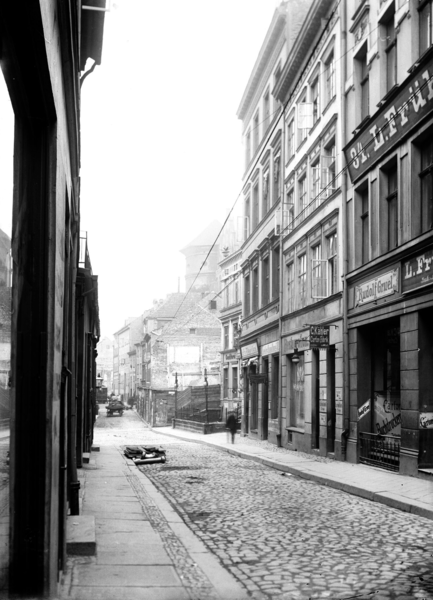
x=295, y=357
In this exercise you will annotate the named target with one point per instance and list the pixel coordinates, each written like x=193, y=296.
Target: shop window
x=274, y=388
x=226, y=383
x=302, y=280
x=426, y=175
x=265, y=281
x=290, y=287
x=425, y=25
x=235, y=392
x=297, y=414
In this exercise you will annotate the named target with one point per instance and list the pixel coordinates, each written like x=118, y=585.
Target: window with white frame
x=388, y=29
x=276, y=177
x=266, y=109
x=265, y=191
x=290, y=287
x=330, y=89
x=329, y=168
x=425, y=15
x=247, y=148
x=318, y=273
x=291, y=138
x=290, y=209
x=302, y=280
x=256, y=125
x=302, y=194
x=332, y=266
x=305, y=117
x=315, y=183
x=315, y=99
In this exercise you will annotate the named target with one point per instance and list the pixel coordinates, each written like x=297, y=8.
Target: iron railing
x=379, y=450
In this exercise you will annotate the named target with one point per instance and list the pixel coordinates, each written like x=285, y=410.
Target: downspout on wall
x=346, y=378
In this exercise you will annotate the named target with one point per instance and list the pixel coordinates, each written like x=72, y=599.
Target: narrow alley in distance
x=281, y=536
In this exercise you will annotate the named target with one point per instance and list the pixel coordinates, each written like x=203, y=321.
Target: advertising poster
x=387, y=414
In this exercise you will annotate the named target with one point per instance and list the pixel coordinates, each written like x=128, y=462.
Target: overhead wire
x=282, y=111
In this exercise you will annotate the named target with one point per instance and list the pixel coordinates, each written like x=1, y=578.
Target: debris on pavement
x=142, y=455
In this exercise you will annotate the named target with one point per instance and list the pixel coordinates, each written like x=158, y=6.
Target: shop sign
x=387, y=414
x=426, y=420
x=411, y=105
x=270, y=348
x=250, y=350
x=319, y=336
x=375, y=289
x=289, y=344
x=231, y=356
x=364, y=410
x=417, y=271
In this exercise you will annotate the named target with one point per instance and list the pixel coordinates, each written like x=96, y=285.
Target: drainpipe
x=346, y=378
x=280, y=320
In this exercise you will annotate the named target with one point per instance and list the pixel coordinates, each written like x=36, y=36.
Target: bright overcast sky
x=161, y=153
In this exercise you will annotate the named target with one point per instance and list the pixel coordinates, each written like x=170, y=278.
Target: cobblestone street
x=282, y=536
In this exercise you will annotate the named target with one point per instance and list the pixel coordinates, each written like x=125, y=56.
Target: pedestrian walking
x=231, y=425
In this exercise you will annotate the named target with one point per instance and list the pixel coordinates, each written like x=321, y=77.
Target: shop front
x=391, y=367
x=312, y=403
x=249, y=368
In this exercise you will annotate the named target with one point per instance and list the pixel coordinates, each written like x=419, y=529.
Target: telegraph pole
x=205, y=394
x=175, y=395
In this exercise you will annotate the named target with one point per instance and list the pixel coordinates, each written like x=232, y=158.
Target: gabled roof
x=207, y=237
x=195, y=306
x=168, y=308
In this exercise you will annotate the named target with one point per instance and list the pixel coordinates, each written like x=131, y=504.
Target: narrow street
x=279, y=535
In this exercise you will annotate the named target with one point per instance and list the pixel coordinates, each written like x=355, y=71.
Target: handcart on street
x=115, y=405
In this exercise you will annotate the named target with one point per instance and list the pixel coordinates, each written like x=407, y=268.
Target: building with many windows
x=389, y=155
x=262, y=128
x=311, y=325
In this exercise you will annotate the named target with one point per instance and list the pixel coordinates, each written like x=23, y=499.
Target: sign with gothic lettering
x=394, y=121
x=417, y=271
x=375, y=289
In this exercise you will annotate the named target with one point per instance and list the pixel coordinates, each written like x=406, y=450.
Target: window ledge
x=295, y=429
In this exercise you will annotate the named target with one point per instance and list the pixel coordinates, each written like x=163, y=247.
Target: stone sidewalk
x=128, y=543
x=409, y=494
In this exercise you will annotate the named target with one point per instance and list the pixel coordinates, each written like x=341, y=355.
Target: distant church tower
x=195, y=253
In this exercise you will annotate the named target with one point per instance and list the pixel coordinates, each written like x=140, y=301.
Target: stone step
x=81, y=535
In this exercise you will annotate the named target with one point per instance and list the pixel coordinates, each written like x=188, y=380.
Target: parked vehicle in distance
x=115, y=405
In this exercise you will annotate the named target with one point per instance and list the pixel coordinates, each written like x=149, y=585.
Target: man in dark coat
x=231, y=424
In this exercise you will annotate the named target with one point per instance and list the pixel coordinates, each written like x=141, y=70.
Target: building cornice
x=275, y=30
